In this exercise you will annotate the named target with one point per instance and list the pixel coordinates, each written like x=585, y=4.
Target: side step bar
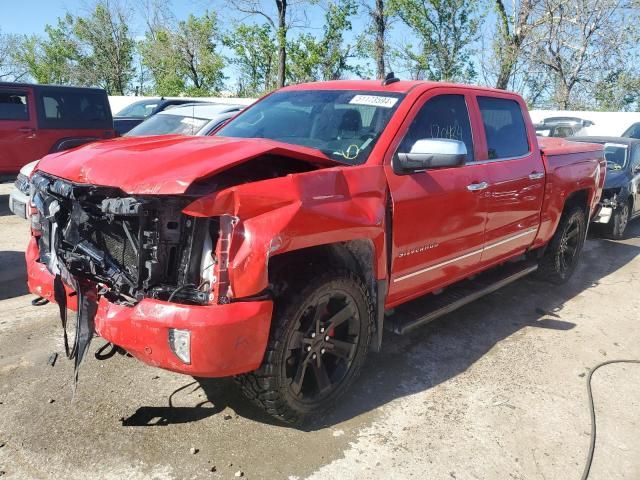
x=429, y=307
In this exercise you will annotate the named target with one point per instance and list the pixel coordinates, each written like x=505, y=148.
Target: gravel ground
x=493, y=391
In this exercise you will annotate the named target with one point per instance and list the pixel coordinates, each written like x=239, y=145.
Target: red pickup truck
x=279, y=250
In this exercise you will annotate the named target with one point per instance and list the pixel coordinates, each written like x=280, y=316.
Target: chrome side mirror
x=431, y=153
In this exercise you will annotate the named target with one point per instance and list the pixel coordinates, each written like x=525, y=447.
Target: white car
x=19, y=196
x=192, y=119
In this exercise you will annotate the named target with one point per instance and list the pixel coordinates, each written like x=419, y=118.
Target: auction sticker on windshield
x=374, y=101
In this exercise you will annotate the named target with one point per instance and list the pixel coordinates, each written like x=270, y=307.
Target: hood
x=165, y=164
x=616, y=179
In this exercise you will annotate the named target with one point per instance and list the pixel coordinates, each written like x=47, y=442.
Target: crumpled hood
x=165, y=164
x=616, y=179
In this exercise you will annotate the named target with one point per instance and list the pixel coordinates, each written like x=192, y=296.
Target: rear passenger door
x=17, y=128
x=516, y=178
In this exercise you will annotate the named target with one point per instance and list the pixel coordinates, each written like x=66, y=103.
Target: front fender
x=298, y=211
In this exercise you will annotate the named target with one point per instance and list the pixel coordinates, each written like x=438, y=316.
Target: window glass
x=168, y=124
x=504, y=127
x=635, y=156
x=444, y=116
x=633, y=131
x=68, y=108
x=342, y=124
x=138, y=109
x=616, y=156
x=13, y=105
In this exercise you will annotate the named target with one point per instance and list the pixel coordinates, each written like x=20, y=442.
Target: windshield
x=616, y=156
x=633, y=131
x=166, y=124
x=138, y=109
x=344, y=125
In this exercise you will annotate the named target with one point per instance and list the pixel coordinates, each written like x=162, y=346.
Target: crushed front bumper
x=226, y=339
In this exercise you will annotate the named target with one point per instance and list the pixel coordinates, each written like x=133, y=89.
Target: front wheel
x=618, y=222
x=563, y=252
x=317, y=346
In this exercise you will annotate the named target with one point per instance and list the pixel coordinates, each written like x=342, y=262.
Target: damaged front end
x=127, y=247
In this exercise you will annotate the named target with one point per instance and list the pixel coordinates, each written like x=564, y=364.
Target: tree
x=183, y=59
x=446, y=31
x=514, y=24
x=279, y=20
x=324, y=58
x=581, y=42
x=377, y=31
x=107, y=47
x=618, y=91
x=10, y=69
x=254, y=56
x=53, y=59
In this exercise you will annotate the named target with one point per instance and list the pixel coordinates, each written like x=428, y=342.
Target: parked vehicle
x=135, y=113
x=279, y=249
x=561, y=126
x=621, y=195
x=191, y=119
x=633, y=131
x=39, y=119
x=21, y=191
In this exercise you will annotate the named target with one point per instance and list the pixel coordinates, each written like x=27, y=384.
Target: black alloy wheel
x=318, y=343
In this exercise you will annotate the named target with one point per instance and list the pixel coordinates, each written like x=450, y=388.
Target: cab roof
x=401, y=86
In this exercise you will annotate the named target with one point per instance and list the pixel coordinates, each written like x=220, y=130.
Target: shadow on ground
x=13, y=274
x=4, y=206
x=436, y=352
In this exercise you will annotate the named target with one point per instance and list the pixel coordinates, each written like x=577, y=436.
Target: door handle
x=474, y=187
x=536, y=175
x=26, y=130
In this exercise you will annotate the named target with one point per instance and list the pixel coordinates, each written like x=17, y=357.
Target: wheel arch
x=358, y=256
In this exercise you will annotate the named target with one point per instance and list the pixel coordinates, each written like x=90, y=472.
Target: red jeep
x=279, y=250
x=39, y=119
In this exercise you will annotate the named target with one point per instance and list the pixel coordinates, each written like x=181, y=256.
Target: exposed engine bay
x=128, y=247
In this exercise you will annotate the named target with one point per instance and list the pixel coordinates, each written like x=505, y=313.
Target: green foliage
x=255, y=58
x=106, y=48
x=619, y=91
x=184, y=59
x=446, y=31
x=55, y=58
x=325, y=58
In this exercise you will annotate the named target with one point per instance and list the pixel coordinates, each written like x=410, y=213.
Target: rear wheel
x=619, y=221
x=317, y=346
x=563, y=252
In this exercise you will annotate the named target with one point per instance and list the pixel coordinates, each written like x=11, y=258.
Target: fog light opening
x=180, y=343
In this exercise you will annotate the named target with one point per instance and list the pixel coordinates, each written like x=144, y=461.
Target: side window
x=635, y=157
x=70, y=108
x=13, y=105
x=504, y=127
x=444, y=116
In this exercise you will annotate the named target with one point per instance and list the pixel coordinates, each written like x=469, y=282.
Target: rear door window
x=13, y=105
x=504, y=128
x=67, y=108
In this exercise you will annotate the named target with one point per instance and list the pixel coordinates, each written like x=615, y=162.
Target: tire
x=618, y=223
x=563, y=252
x=324, y=327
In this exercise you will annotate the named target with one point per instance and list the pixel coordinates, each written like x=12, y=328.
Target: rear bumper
x=225, y=339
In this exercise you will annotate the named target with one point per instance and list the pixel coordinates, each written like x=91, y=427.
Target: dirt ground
x=493, y=391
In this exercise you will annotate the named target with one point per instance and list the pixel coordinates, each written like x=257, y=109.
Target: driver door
x=439, y=214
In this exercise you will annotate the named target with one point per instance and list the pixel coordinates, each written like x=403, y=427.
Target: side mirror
x=432, y=153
